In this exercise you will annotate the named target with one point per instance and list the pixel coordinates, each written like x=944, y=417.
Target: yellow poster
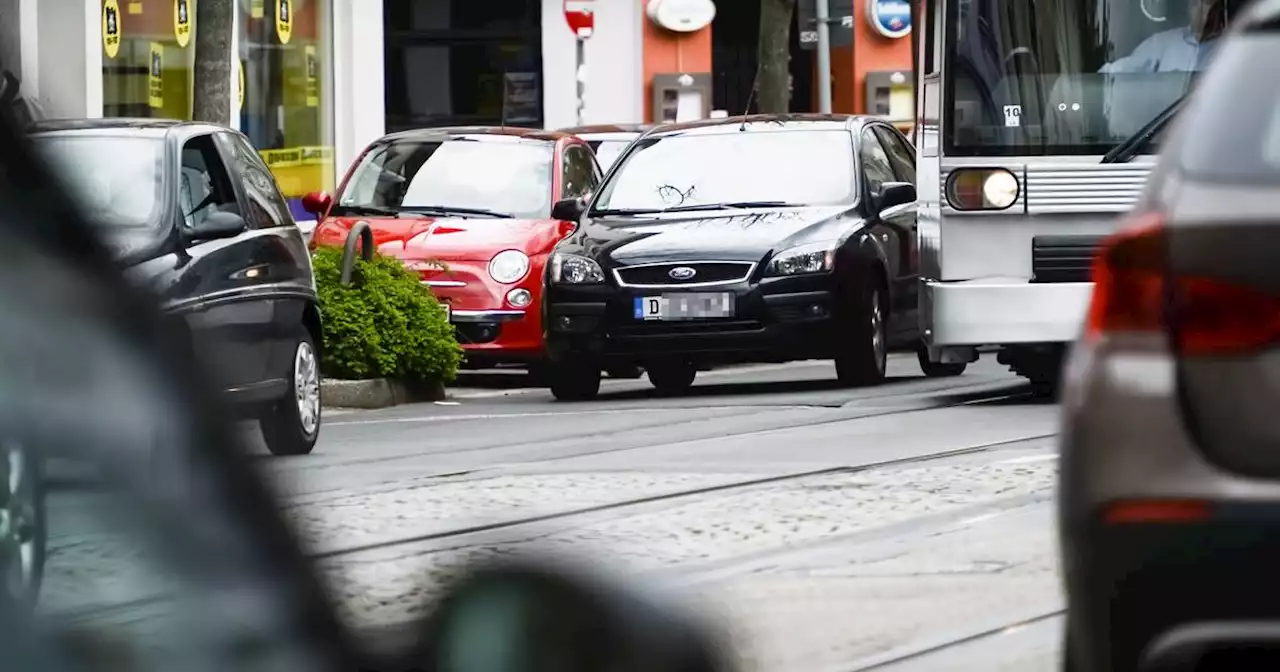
x=182, y=20
x=256, y=9
x=313, y=77
x=284, y=20
x=155, y=84
x=240, y=88
x=111, y=28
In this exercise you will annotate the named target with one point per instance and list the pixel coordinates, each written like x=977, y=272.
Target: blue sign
x=890, y=18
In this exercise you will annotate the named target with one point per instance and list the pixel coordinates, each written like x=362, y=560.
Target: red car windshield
x=508, y=177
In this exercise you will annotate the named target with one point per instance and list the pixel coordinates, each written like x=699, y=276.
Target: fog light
x=564, y=322
x=817, y=310
x=519, y=297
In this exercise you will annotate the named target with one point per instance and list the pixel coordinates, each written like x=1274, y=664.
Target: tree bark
x=773, y=78
x=211, y=96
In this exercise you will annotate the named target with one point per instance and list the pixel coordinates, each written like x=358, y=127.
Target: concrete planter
x=377, y=393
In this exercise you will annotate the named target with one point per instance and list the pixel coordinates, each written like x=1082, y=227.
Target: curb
x=377, y=393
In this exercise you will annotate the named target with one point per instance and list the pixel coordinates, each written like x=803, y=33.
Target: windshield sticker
x=1012, y=115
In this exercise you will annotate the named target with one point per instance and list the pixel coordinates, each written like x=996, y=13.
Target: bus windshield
x=1050, y=77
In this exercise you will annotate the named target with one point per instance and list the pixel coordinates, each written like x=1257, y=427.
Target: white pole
x=823, y=16
x=581, y=77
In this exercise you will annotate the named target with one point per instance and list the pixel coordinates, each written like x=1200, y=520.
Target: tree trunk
x=211, y=97
x=774, y=75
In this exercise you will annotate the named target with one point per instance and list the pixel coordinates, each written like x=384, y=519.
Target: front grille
x=659, y=275
x=1063, y=258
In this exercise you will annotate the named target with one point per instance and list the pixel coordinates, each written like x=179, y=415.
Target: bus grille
x=1063, y=258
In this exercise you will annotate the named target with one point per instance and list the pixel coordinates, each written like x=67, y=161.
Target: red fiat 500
x=479, y=200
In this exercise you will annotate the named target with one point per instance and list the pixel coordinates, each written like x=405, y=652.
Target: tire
x=863, y=358
x=937, y=369
x=286, y=428
x=672, y=378
x=574, y=382
x=25, y=504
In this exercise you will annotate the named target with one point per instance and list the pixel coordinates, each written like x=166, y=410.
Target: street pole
x=581, y=76
x=823, y=16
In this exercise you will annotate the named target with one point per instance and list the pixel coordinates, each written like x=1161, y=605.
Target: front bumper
x=778, y=319
x=499, y=336
x=1000, y=312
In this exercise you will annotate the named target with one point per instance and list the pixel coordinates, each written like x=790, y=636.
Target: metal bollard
x=361, y=233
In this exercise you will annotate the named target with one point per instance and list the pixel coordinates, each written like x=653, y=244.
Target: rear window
x=1233, y=128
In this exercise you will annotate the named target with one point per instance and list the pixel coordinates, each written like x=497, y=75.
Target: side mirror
x=891, y=194
x=529, y=618
x=217, y=225
x=569, y=210
x=317, y=203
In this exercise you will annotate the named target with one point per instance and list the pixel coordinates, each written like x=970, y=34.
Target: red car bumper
x=489, y=327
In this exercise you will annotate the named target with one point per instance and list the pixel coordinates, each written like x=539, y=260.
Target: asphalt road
x=903, y=527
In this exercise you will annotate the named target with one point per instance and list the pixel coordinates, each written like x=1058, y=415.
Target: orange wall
x=872, y=52
x=671, y=52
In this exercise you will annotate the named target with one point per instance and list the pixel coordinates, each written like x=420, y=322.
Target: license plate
x=448, y=312
x=690, y=306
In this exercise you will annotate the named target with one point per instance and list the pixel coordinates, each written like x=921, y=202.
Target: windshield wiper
x=735, y=205
x=450, y=210
x=370, y=210
x=1135, y=143
x=625, y=211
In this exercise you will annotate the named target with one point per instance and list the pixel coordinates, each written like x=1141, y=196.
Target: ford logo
x=681, y=273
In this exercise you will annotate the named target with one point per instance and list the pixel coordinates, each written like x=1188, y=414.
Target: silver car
x=1169, y=501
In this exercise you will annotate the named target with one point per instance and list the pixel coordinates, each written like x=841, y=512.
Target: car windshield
x=118, y=180
x=810, y=167
x=1043, y=77
x=502, y=176
x=608, y=151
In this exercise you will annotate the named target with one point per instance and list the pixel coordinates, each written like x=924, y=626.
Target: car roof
x=122, y=126
x=764, y=123
x=606, y=129
x=482, y=133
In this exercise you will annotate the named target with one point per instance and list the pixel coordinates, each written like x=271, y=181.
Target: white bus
x=1036, y=125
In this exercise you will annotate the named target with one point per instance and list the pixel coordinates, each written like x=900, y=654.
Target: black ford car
x=764, y=239
x=192, y=213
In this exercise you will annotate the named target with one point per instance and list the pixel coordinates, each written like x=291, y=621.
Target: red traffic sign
x=581, y=16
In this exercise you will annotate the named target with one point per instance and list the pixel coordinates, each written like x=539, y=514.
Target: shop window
x=285, y=104
x=148, y=51
x=456, y=62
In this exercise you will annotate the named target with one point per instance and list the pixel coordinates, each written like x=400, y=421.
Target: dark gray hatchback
x=1170, y=465
x=192, y=212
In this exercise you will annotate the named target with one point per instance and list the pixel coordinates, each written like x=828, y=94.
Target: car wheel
x=864, y=357
x=574, y=382
x=292, y=425
x=672, y=377
x=23, y=538
x=937, y=369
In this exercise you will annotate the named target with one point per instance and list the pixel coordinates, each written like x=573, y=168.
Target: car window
x=875, y=163
x=901, y=157
x=813, y=167
x=608, y=151
x=267, y=207
x=579, y=173
x=511, y=177
x=204, y=186
x=129, y=196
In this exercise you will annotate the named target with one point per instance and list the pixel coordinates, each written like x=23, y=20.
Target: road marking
x=1027, y=459
x=614, y=382
x=498, y=416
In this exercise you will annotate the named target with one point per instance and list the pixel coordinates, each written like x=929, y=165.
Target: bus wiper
x=1135, y=143
x=450, y=210
x=735, y=205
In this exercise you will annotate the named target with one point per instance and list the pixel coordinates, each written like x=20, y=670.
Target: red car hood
x=448, y=239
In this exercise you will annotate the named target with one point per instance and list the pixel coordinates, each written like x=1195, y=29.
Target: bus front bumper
x=1002, y=312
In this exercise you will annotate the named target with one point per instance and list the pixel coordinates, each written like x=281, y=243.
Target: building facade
x=314, y=81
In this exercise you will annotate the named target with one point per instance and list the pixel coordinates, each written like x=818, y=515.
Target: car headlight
x=509, y=266
x=811, y=258
x=573, y=269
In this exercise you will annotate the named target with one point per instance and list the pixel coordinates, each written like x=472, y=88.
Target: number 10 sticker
x=1012, y=115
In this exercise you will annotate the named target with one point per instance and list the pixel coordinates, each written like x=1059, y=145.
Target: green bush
x=385, y=325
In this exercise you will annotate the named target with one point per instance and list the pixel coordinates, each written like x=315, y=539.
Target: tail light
x=1135, y=291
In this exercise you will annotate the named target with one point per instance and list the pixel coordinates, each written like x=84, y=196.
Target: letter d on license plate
x=685, y=306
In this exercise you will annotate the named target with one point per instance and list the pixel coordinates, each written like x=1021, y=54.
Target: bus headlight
x=982, y=189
